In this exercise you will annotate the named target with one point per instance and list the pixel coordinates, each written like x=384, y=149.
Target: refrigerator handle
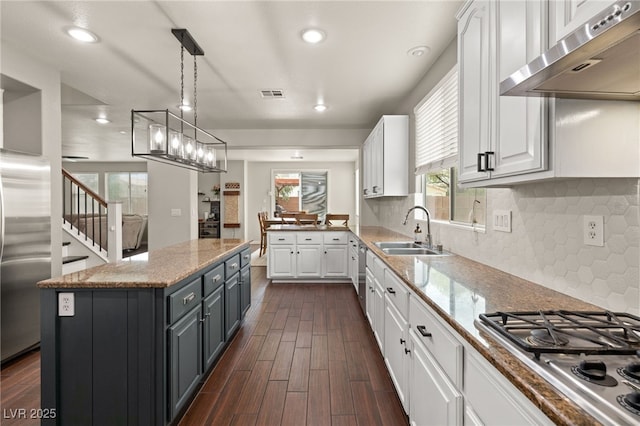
x=1, y=219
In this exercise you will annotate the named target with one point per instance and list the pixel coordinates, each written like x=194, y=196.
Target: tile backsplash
x=546, y=243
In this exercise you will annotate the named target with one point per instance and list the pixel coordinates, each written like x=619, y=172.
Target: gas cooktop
x=593, y=357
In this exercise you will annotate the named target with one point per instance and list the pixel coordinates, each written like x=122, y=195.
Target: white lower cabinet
x=439, y=377
x=434, y=400
x=308, y=255
x=396, y=354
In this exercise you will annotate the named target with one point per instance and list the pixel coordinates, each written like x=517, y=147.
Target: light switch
x=502, y=220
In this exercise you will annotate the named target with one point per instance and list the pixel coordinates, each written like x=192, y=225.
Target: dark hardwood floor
x=305, y=355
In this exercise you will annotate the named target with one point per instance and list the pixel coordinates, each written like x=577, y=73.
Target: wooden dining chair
x=262, y=219
x=288, y=217
x=336, y=217
x=306, y=218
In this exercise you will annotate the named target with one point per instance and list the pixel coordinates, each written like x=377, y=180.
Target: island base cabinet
x=185, y=347
x=232, y=304
x=434, y=400
x=245, y=290
x=214, y=331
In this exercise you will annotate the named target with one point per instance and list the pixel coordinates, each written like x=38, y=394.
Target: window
x=90, y=180
x=130, y=188
x=436, y=120
x=300, y=191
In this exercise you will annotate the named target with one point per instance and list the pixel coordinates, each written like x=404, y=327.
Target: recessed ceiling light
x=418, y=51
x=320, y=107
x=82, y=34
x=313, y=35
x=103, y=120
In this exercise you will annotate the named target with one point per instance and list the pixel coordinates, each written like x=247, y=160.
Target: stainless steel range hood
x=600, y=60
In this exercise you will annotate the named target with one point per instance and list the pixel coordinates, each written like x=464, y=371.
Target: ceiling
x=361, y=71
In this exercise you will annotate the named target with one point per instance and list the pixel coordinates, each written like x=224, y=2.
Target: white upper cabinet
x=499, y=136
x=385, y=156
x=567, y=16
x=508, y=140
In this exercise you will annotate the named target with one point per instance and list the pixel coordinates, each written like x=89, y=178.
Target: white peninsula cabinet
x=385, y=156
x=439, y=377
x=507, y=140
x=308, y=255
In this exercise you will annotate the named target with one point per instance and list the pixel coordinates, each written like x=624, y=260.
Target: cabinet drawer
x=335, y=237
x=282, y=238
x=213, y=279
x=398, y=293
x=309, y=237
x=183, y=300
x=232, y=266
x=245, y=258
x=444, y=347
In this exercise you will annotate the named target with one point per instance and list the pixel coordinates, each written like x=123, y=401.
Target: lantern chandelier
x=160, y=135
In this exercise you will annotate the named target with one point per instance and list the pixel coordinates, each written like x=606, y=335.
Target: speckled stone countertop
x=479, y=289
x=307, y=228
x=157, y=268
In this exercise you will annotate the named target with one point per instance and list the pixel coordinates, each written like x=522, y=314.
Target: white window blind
x=436, y=118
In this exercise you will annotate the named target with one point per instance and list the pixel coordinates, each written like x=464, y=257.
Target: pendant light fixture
x=160, y=135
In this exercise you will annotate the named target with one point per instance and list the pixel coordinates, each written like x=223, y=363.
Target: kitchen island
x=454, y=291
x=131, y=342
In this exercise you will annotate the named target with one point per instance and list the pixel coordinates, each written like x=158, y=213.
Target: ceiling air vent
x=272, y=94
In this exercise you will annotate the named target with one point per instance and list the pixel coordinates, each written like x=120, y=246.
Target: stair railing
x=84, y=210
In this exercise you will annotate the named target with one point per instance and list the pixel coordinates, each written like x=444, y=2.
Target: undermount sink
x=407, y=248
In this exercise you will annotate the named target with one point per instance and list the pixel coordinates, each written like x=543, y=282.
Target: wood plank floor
x=304, y=356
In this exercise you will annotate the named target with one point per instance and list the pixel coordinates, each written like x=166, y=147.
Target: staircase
x=92, y=227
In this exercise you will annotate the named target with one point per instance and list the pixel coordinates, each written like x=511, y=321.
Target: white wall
x=341, y=182
x=171, y=188
x=30, y=71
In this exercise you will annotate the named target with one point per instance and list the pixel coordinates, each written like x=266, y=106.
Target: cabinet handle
x=336, y=239
x=375, y=189
x=234, y=265
x=246, y=256
x=280, y=239
x=407, y=351
x=402, y=341
x=479, y=163
x=216, y=278
x=307, y=239
x=423, y=330
x=188, y=298
x=486, y=161
x=366, y=191
x=391, y=290
x=202, y=319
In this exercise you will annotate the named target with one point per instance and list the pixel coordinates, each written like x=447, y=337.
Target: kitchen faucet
x=428, y=237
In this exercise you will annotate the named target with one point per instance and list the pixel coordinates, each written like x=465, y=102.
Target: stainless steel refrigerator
x=25, y=248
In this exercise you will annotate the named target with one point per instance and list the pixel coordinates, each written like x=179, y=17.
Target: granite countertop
x=157, y=268
x=460, y=289
x=286, y=227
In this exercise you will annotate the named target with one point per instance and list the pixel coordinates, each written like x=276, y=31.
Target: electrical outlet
x=593, y=229
x=502, y=220
x=66, y=305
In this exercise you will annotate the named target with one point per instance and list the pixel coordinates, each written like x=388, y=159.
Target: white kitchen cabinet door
x=378, y=322
x=396, y=351
x=336, y=261
x=370, y=296
x=377, y=159
x=474, y=73
x=282, y=261
x=567, y=15
x=434, y=400
x=308, y=261
x=367, y=162
x=520, y=134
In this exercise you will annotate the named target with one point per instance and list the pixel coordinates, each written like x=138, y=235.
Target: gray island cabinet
x=130, y=343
